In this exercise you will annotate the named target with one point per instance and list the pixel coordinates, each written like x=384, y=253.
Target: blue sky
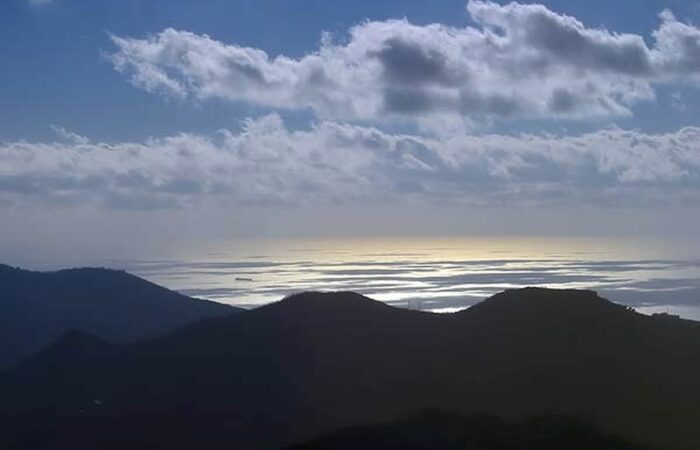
x=54, y=73
x=170, y=119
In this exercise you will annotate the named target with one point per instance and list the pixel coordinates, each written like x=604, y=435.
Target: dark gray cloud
x=411, y=64
x=408, y=101
x=563, y=101
x=497, y=104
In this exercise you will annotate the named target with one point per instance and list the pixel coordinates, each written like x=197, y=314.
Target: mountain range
x=285, y=373
x=37, y=308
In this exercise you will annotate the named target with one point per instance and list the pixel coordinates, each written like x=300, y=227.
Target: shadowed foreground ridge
x=318, y=362
x=447, y=431
x=38, y=307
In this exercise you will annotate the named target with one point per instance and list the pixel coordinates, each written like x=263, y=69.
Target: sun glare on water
x=441, y=274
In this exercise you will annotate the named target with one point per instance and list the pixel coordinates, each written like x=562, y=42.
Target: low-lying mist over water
x=441, y=275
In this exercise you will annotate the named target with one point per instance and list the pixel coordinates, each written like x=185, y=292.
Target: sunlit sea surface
x=441, y=275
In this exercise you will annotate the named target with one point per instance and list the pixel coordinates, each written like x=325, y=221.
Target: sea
x=441, y=275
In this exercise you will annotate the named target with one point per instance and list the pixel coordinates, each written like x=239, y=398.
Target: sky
x=134, y=124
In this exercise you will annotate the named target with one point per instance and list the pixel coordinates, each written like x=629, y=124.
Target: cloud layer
x=519, y=61
x=516, y=61
x=333, y=164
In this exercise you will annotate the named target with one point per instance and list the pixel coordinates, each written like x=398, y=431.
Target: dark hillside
x=316, y=362
x=38, y=307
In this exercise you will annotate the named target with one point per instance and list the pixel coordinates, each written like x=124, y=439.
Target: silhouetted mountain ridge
x=324, y=307
x=38, y=307
x=328, y=301
x=318, y=362
x=549, y=304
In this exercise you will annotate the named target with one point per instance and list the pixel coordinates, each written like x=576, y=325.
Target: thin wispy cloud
x=41, y=2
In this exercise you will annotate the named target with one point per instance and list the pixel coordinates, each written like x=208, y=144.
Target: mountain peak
x=91, y=273
x=532, y=293
x=310, y=296
x=323, y=306
x=328, y=300
x=37, y=307
x=549, y=302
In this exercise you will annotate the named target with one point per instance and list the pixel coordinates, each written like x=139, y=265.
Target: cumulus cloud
x=331, y=163
x=519, y=61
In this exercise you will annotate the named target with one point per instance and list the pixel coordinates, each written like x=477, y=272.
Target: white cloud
x=70, y=136
x=339, y=164
x=520, y=61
